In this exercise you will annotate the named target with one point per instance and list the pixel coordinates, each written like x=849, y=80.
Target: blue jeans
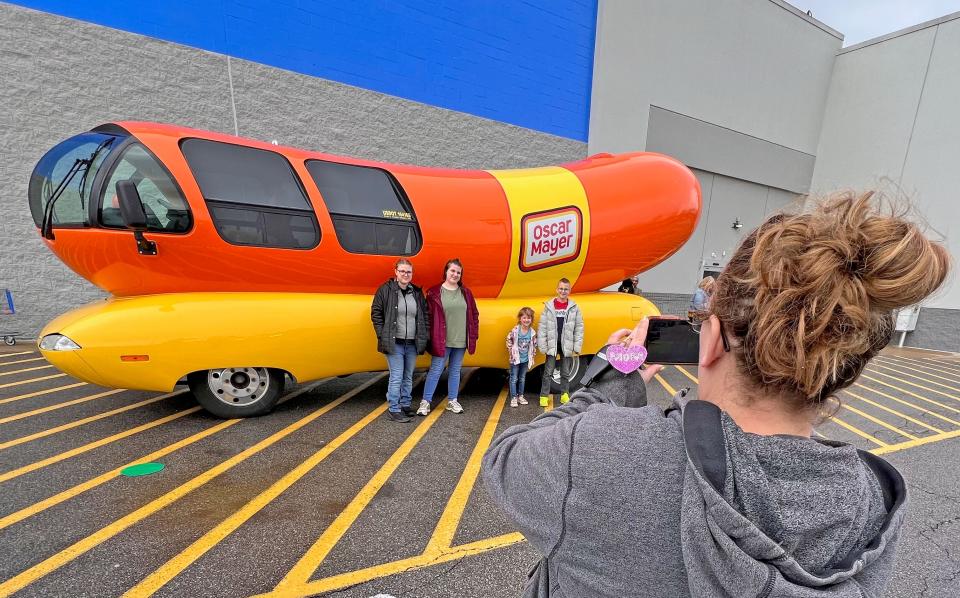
x=518, y=376
x=400, y=387
x=453, y=374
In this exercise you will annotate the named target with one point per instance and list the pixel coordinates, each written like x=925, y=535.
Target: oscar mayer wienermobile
x=233, y=262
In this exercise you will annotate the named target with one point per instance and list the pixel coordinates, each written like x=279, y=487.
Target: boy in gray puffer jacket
x=559, y=337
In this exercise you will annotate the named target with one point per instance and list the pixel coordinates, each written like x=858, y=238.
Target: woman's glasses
x=696, y=322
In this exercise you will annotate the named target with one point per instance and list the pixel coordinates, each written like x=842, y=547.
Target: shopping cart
x=7, y=309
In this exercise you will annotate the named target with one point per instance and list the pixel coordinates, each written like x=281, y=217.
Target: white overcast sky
x=860, y=20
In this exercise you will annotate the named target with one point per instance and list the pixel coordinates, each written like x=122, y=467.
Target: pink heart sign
x=626, y=359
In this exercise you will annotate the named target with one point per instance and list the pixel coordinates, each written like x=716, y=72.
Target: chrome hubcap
x=238, y=386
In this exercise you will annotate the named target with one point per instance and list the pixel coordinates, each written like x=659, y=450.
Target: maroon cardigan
x=438, y=323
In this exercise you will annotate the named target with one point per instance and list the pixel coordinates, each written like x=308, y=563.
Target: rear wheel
x=10, y=340
x=580, y=363
x=237, y=392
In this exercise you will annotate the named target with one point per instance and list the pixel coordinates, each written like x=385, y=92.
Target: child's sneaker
x=521, y=400
x=564, y=398
x=454, y=406
x=513, y=402
x=544, y=401
x=424, y=408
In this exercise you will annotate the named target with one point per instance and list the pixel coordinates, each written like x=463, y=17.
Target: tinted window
x=243, y=175
x=360, y=235
x=162, y=201
x=242, y=226
x=358, y=190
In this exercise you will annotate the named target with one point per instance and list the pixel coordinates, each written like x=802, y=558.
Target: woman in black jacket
x=401, y=320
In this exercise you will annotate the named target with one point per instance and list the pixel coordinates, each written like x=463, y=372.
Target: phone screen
x=672, y=341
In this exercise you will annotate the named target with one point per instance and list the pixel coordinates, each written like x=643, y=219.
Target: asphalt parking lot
x=327, y=497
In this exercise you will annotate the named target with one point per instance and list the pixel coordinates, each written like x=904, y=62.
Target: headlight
x=57, y=342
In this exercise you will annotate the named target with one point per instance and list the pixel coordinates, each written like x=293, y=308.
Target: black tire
x=535, y=377
x=237, y=392
x=9, y=340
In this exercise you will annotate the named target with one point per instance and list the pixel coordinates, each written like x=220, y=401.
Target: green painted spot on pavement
x=141, y=469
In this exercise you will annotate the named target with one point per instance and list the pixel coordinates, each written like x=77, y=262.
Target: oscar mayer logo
x=550, y=238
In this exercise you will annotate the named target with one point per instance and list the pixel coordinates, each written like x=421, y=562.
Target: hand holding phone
x=635, y=338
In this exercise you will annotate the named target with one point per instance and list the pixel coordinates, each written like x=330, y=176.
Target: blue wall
x=528, y=63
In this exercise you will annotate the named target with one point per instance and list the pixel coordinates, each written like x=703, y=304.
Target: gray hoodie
x=628, y=501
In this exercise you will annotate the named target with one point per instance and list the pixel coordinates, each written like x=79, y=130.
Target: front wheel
x=10, y=340
x=237, y=392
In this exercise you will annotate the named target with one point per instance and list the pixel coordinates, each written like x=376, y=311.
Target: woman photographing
x=729, y=495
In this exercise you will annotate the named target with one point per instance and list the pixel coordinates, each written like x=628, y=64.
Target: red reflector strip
x=134, y=358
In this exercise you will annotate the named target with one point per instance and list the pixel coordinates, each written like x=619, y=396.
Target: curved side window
x=254, y=196
x=370, y=212
x=166, y=209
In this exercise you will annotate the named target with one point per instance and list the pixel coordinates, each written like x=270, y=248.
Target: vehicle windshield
x=73, y=164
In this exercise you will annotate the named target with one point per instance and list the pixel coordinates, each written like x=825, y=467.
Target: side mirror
x=134, y=216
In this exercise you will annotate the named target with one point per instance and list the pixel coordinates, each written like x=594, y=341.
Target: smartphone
x=672, y=341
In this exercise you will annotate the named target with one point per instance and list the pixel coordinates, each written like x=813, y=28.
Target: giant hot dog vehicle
x=233, y=263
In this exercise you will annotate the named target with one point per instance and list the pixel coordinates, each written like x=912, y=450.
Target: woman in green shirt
x=454, y=330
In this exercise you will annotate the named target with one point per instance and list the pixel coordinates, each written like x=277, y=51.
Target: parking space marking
x=927, y=388
x=345, y=580
x=173, y=567
x=9, y=475
x=666, y=385
x=924, y=378
x=895, y=412
x=688, y=374
x=912, y=394
x=6, y=363
x=5, y=355
x=877, y=421
x=39, y=367
x=22, y=382
x=446, y=529
x=51, y=564
x=857, y=431
x=45, y=391
x=311, y=560
x=922, y=368
x=49, y=408
x=941, y=362
x=86, y=420
x=69, y=493
x=439, y=548
x=913, y=443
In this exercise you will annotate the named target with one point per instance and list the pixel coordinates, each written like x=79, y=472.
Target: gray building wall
x=735, y=89
x=891, y=122
x=61, y=77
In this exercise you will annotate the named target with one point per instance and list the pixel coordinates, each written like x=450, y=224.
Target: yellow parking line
x=41, y=392
x=86, y=420
x=912, y=394
x=927, y=388
x=446, y=528
x=688, y=374
x=41, y=379
x=173, y=567
x=49, y=408
x=913, y=443
x=315, y=555
x=895, y=412
x=106, y=477
x=5, y=355
x=5, y=363
x=51, y=564
x=951, y=365
x=39, y=367
x=858, y=431
x=878, y=421
x=352, y=578
x=923, y=378
x=14, y=473
x=924, y=366
x=666, y=385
